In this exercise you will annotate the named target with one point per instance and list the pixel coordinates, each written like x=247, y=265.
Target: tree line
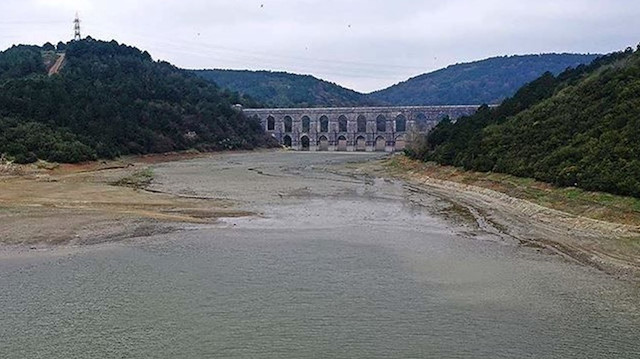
x=580, y=128
x=110, y=100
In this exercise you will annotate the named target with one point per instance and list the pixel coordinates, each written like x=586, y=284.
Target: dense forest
x=488, y=81
x=110, y=100
x=580, y=128
x=281, y=89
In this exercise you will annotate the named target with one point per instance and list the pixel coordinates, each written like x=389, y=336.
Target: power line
x=56, y=22
x=243, y=57
x=261, y=55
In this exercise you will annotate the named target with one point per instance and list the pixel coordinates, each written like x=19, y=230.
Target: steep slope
x=281, y=89
x=580, y=129
x=488, y=81
x=108, y=100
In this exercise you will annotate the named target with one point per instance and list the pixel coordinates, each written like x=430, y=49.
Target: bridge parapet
x=353, y=128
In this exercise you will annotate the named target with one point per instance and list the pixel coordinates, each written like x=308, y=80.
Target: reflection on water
x=335, y=267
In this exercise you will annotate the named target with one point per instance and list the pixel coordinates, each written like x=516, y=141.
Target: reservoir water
x=335, y=264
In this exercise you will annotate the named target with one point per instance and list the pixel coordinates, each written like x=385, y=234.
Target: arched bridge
x=352, y=128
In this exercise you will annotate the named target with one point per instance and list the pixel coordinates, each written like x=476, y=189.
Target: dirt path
x=57, y=66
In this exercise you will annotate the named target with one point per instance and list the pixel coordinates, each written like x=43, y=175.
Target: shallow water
x=334, y=266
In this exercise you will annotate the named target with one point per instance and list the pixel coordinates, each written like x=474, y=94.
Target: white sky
x=361, y=44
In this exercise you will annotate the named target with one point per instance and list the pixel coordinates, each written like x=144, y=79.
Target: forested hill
x=282, y=89
x=109, y=100
x=581, y=128
x=488, y=81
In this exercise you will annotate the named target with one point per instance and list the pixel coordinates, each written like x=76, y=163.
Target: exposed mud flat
x=87, y=204
x=336, y=259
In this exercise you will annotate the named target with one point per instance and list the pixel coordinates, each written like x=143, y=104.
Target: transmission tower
x=76, y=23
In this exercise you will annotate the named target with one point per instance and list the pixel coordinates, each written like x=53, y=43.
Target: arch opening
x=361, y=144
x=421, y=122
x=342, y=124
x=306, y=124
x=381, y=124
x=401, y=123
x=362, y=124
x=324, y=124
x=288, y=124
x=323, y=143
x=286, y=140
x=271, y=123
x=305, y=143
x=342, y=144
x=381, y=144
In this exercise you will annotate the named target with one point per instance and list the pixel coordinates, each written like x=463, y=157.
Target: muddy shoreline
x=606, y=246
x=79, y=205
x=43, y=206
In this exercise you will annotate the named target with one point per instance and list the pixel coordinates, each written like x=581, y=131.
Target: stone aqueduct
x=352, y=129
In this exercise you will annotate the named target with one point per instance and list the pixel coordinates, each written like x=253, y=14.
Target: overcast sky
x=361, y=44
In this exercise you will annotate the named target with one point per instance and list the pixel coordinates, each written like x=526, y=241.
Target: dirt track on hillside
x=57, y=66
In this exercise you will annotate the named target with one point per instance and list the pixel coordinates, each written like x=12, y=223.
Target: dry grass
x=138, y=180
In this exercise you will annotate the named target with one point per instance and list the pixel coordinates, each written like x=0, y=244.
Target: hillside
x=108, y=100
x=281, y=89
x=581, y=128
x=488, y=81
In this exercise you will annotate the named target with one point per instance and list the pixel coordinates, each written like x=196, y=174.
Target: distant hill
x=107, y=100
x=488, y=81
x=581, y=128
x=281, y=89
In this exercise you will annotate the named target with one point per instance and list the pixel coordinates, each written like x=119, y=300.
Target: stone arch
x=306, y=124
x=271, y=123
x=362, y=124
x=381, y=144
x=381, y=124
x=343, y=124
x=286, y=140
x=324, y=124
x=401, y=143
x=305, y=143
x=401, y=123
x=342, y=144
x=421, y=122
x=288, y=124
x=323, y=143
x=361, y=144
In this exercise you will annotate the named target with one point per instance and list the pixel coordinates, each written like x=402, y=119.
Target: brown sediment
x=80, y=204
x=613, y=247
